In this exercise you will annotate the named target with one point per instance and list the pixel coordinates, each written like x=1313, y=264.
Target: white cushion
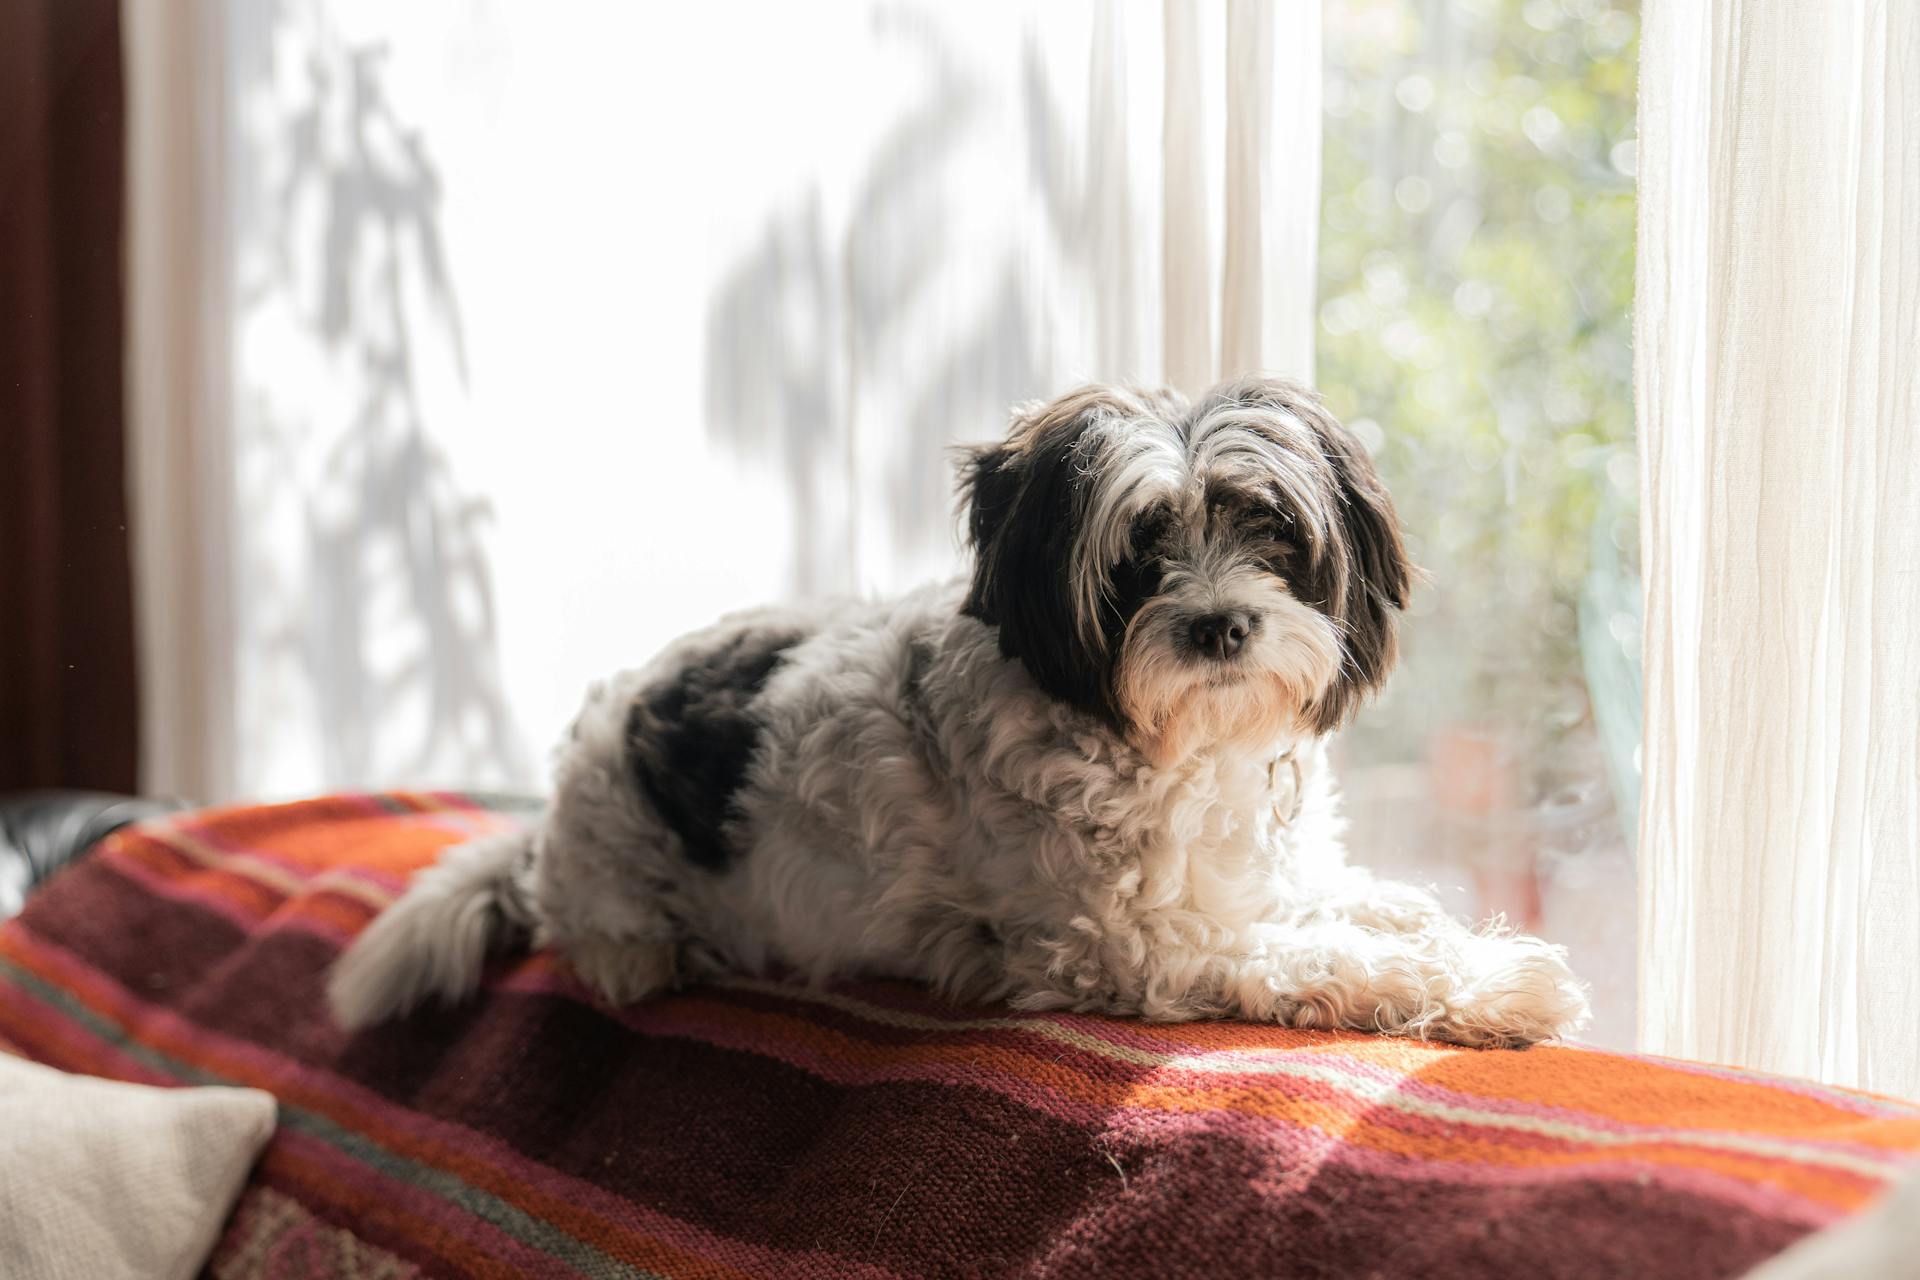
x=100, y=1179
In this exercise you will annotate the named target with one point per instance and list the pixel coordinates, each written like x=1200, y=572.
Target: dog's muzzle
x=1220, y=635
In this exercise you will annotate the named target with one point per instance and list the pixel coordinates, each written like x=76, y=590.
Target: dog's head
x=1222, y=574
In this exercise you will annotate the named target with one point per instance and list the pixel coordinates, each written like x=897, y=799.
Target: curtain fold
x=1241, y=134
x=1187, y=269
x=179, y=427
x=1272, y=187
x=1778, y=349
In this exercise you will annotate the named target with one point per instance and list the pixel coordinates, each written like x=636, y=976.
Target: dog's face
x=1222, y=574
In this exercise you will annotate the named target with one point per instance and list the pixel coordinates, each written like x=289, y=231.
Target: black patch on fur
x=691, y=736
x=1024, y=501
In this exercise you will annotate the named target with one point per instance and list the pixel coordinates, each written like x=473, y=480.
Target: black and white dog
x=1092, y=777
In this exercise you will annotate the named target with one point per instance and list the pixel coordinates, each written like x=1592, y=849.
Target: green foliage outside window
x=1476, y=280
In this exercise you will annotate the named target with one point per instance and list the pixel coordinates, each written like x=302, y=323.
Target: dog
x=1092, y=775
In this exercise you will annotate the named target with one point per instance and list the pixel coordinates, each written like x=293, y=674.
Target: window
x=1476, y=277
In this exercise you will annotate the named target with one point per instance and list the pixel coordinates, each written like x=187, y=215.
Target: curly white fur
x=917, y=802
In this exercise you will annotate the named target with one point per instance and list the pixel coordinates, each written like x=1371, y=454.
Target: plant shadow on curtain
x=845, y=359
x=340, y=251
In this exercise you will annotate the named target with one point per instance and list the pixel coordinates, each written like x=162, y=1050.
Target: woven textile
x=748, y=1128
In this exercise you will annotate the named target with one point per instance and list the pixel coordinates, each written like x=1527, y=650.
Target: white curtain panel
x=478, y=351
x=1778, y=349
x=177, y=382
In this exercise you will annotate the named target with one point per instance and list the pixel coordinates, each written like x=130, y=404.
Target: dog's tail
x=433, y=941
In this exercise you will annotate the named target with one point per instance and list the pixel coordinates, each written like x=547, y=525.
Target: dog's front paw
x=619, y=970
x=1510, y=990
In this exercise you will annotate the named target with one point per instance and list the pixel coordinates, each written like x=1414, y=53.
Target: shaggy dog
x=1093, y=776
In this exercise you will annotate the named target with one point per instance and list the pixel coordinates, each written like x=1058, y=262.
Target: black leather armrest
x=42, y=831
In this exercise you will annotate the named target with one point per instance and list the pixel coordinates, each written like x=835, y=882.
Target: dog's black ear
x=1024, y=501
x=1377, y=574
x=990, y=478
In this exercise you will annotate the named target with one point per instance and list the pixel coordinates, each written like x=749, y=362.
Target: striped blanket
x=751, y=1129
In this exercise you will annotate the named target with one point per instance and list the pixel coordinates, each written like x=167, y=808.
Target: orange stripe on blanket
x=1591, y=1082
x=1342, y=1116
x=1618, y=1088
x=334, y=832
x=255, y=896
x=1622, y=1087
x=333, y=902
x=1619, y=1081
x=257, y=889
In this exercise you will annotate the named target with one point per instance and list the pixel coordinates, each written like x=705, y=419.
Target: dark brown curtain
x=67, y=695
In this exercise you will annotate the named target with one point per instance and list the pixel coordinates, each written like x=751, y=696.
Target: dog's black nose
x=1220, y=635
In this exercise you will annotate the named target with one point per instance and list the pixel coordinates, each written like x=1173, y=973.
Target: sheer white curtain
x=177, y=382
x=1778, y=348
x=478, y=351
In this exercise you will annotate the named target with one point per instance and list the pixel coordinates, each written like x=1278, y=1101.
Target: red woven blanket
x=753, y=1129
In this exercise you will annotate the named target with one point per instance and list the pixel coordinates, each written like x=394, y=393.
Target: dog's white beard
x=1177, y=705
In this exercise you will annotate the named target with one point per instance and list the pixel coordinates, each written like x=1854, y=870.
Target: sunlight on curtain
x=1778, y=348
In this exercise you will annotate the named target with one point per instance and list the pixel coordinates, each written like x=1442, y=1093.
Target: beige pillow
x=100, y=1179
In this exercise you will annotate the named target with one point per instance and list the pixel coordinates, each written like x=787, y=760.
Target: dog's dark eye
x=1131, y=583
x=1286, y=548
x=1281, y=530
x=1149, y=530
